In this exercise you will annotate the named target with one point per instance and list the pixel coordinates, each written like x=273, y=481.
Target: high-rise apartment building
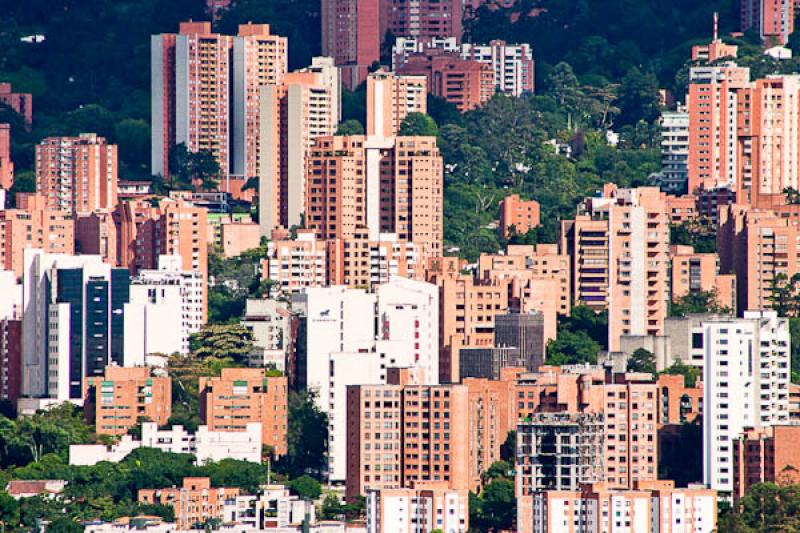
x=758, y=246
x=166, y=307
x=33, y=225
x=259, y=58
x=205, y=93
x=619, y=244
x=512, y=64
x=713, y=102
x=352, y=34
x=190, y=91
x=746, y=385
x=73, y=322
x=123, y=398
x=674, y=174
x=293, y=113
x=772, y=19
x=381, y=185
x=695, y=272
x=77, y=174
x=657, y=507
x=297, y=263
x=390, y=98
x=361, y=262
x=274, y=328
x=6, y=165
x=352, y=337
x=400, y=435
x=518, y=216
x=245, y=395
x=766, y=455
x=463, y=82
x=174, y=228
x=424, y=19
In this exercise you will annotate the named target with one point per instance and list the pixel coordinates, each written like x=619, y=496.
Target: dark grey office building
x=524, y=331
x=487, y=362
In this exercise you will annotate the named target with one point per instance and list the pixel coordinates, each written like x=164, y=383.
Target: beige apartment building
x=619, y=244
x=194, y=503
x=243, y=395
x=390, y=98
x=399, y=435
x=33, y=225
x=303, y=106
x=757, y=245
x=696, y=272
x=205, y=94
x=125, y=397
x=383, y=185
x=77, y=174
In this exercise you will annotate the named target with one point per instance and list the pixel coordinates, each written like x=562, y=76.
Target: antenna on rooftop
x=716, y=26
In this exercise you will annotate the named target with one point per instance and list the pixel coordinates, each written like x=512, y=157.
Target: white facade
x=166, y=308
x=45, y=325
x=417, y=510
x=271, y=324
x=11, y=302
x=352, y=337
x=91, y=454
x=205, y=445
x=408, y=311
x=674, y=150
x=512, y=64
x=295, y=265
x=746, y=384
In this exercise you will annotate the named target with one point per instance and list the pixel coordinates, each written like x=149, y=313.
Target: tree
x=220, y=341
x=572, y=348
x=783, y=294
x=498, y=469
x=508, y=450
x=186, y=167
x=498, y=504
x=638, y=98
x=642, y=360
x=350, y=127
x=418, y=124
x=698, y=302
x=563, y=84
x=307, y=436
x=233, y=473
x=306, y=487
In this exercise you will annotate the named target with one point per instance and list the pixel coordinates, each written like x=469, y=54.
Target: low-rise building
x=240, y=396
x=518, y=216
x=424, y=508
x=125, y=397
x=655, y=507
x=194, y=503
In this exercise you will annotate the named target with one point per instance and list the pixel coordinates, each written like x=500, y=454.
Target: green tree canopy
x=221, y=341
x=350, y=127
x=642, y=360
x=306, y=487
x=418, y=124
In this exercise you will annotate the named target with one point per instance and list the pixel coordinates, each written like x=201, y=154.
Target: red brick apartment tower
x=77, y=174
x=351, y=34
x=190, y=87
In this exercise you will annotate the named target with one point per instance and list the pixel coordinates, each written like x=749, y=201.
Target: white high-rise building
x=746, y=384
x=166, y=307
x=73, y=322
x=352, y=337
x=674, y=174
